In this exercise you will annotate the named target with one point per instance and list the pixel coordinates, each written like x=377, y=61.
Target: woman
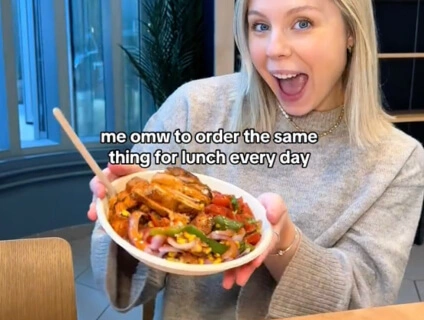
x=345, y=224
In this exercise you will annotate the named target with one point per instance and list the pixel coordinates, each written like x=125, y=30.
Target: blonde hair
x=366, y=119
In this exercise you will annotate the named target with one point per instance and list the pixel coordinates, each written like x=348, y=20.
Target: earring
x=349, y=49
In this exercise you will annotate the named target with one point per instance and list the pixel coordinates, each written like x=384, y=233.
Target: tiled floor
x=93, y=305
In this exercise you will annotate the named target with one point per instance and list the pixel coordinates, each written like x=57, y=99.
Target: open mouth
x=291, y=84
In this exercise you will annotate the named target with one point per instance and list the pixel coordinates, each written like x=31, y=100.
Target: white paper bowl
x=178, y=267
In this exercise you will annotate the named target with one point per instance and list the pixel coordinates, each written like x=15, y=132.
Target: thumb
x=274, y=205
x=120, y=170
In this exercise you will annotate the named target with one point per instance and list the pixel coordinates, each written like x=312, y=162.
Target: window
x=131, y=34
x=36, y=73
x=86, y=39
x=66, y=54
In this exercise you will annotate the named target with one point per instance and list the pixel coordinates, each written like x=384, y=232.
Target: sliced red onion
x=239, y=235
x=157, y=241
x=232, y=251
x=148, y=250
x=166, y=249
x=182, y=246
x=229, y=259
x=221, y=234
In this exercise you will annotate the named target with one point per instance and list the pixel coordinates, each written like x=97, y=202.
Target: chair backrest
x=37, y=280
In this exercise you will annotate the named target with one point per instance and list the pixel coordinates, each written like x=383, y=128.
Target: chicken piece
x=187, y=257
x=177, y=184
x=112, y=202
x=148, y=195
x=120, y=225
x=134, y=181
x=180, y=219
x=203, y=222
x=184, y=175
x=127, y=199
x=190, y=180
x=119, y=208
x=165, y=201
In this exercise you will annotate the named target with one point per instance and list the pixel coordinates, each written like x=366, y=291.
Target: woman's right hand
x=112, y=172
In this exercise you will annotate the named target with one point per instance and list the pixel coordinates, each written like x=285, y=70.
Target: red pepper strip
x=222, y=200
x=247, y=211
x=215, y=210
x=253, y=238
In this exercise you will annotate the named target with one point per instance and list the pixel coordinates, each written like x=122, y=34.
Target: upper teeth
x=285, y=76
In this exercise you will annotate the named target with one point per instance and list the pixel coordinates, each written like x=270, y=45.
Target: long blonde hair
x=366, y=119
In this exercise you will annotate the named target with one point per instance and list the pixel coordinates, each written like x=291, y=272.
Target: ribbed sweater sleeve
x=366, y=266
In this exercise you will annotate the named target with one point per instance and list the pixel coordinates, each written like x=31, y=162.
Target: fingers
x=276, y=211
x=112, y=172
x=244, y=273
x=229, y=279
x=120, y=170
x=238, y=276
x=97, y=188
x=274, y=205
x=92, y=213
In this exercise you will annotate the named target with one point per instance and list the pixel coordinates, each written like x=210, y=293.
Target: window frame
x=59, y=75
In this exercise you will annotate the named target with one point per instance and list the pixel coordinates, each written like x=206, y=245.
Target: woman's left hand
x=276, y=212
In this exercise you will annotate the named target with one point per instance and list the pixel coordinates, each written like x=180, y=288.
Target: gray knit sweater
x=357, y=211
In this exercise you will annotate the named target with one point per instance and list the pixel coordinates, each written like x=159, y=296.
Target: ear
x=350, y=42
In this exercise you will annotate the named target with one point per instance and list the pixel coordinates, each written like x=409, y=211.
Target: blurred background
x=70, y=54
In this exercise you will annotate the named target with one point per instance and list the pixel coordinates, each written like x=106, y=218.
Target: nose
x=278, y=46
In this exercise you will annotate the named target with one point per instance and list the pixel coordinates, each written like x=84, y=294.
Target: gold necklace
x=321, y=134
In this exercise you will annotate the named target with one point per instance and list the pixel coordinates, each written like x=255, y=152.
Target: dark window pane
x=395, y=79
x=396, y=24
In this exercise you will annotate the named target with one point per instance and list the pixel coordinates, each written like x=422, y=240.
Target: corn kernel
x=210, y=257
x=207, y=250
x=217, y=255
x=217, y=260
x=218, y=226
x=125, y=213
x=172, y=254
x=150, y=224
x=201, y=261
x=238, y=244
x=181, y=240
x=189, y=237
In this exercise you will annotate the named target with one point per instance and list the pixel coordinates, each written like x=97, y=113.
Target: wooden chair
x=37, y=280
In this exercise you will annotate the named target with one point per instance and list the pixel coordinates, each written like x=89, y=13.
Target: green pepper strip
x=234, y=203
x=244, y=246
x=227, y=223
x=215, y=246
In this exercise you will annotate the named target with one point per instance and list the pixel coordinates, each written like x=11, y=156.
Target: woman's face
x=299, y=48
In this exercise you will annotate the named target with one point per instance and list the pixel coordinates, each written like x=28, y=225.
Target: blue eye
x=260, y=27
x=303, y=24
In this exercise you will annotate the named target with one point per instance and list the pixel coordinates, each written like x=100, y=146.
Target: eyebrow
x=290, y=12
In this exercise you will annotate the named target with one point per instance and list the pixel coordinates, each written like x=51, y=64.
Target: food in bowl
x=176, y=217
